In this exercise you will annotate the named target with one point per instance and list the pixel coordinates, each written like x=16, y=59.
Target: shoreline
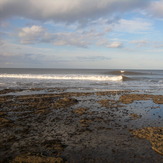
x=80, y=126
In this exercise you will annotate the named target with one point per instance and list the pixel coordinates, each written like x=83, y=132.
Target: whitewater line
x=63, y=77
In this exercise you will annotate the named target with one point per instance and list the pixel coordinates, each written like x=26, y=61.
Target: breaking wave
x=125, y=78
x=64, y=77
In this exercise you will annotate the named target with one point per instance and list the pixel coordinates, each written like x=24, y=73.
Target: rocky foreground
x=80, y=127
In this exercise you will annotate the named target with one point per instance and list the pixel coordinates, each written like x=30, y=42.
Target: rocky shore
x=52, y=125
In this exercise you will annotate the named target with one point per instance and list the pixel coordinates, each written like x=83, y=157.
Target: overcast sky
x=81, y=34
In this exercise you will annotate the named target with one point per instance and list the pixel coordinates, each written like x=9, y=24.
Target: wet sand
x=52, y=125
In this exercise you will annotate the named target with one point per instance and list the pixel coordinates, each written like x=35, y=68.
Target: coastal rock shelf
x=129, y=98
x=154, y=135
x=59, y=126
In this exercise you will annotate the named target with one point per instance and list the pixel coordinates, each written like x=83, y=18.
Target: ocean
x=86, y=80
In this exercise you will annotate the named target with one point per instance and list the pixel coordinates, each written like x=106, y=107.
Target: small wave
x=125, y=78
x=63, y=77
x=121, y=72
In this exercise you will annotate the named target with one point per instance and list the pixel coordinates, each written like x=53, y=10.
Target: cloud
x=1, y=43
x=140, y=43
x=131, y=26
x=21, y=60
x=156, y=8
x=147, y=43
x=159, y=45
x=14, y=55
x=115, y=44
x=78, y=38
x=37, y=34
x=66, y=10
x=32, y=34
x=93, y=58
x=109, y=44
x=4, y=24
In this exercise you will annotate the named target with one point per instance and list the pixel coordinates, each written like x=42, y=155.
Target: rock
x=129, y=98
x=135, y=116
x=4, y=122
x=4, y=91
x=109, y=103
x=54, y=144
x=2, y=113
x=64, y=102
x=80, y=111
x=152, y=134
x=41, y=111
x=85, y=122
x=158, y=99
x=110, y=93
x=37, y=159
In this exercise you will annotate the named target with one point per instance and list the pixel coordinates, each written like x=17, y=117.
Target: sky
x=103, y=34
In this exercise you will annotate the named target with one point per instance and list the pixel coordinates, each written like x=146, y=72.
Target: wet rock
x=129, y=98
x=85, y=122
x=158, y=99
x=110, y=93
x=5, y=99
x=4, y=122
x=109, y=103
x=135, y=116
x=54, y=144
x=76, y=94
x=80, y=111
x=2, y=113
x=152, y=134
x=5, y=91
x=41, y=111
x=64, y=102
x=37, y=159
x=106, y=103
x=36, y=89
x=38, y=127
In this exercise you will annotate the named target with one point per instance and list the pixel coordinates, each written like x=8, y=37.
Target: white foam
x=63, y=77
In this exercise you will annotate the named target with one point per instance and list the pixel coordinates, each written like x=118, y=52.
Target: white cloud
x=66, y=10
x=78, y=38
x=115, y=44
x=151, y=44
x=109, y=44
x=156, y=8
x=37, y=34
x=31, y=34
x=131, y=26
x=140, y=43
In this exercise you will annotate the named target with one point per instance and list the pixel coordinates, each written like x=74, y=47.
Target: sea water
x=82, y=79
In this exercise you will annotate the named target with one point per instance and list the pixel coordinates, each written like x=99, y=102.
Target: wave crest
x=63, y=77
